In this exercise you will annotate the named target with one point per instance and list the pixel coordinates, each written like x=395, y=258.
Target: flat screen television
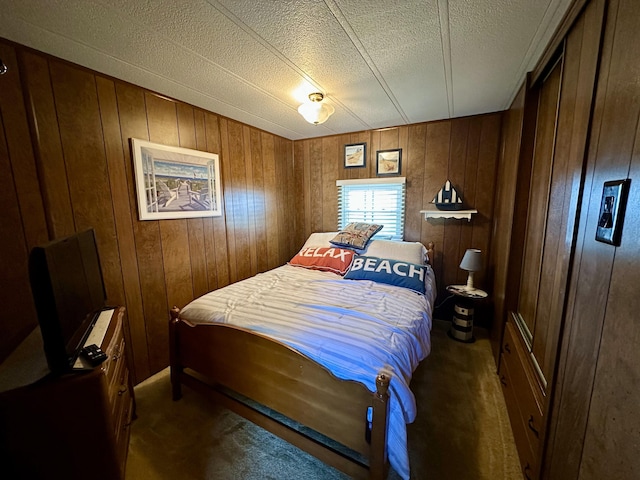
x=69, y=294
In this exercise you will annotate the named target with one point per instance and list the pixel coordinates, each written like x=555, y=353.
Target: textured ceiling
x=380, y=63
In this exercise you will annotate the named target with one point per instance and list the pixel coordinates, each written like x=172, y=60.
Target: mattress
x=354, y=328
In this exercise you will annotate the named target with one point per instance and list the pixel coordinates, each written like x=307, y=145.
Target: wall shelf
x=448, y=214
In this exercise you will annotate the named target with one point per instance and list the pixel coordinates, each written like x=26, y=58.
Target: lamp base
x=470, y=282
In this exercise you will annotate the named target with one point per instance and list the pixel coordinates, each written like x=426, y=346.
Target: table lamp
x=472, y=262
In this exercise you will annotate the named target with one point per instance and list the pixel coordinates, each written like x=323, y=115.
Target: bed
x=322, y=359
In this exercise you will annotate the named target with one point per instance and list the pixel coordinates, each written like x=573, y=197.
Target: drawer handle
x=503, y=380
x=507, y=348
x=535, y=432
x=527, y=470
x=122, y=390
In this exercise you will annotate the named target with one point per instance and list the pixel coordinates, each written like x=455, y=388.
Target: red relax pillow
x=336, y=260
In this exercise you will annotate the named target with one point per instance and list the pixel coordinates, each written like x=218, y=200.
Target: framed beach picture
x=612, y=208
x=355, y=155
x=388, y=162
x=174, y=182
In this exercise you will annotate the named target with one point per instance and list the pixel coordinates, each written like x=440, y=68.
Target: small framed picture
x=612, y=208
x=355, y=155
x=388, y=162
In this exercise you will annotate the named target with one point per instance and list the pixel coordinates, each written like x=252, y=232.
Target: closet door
x=563, y=115
x=531, y=338
x=557, y=117
x=540, y=224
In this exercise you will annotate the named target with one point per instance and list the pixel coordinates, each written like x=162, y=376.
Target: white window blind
x=373, y=200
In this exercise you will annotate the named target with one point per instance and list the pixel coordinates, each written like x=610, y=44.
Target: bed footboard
x=215, y=359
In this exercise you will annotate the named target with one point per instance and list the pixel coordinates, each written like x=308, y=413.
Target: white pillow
x=320, y=239
x=412, y=252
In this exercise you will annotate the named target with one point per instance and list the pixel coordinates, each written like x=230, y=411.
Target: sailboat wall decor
x=447, y=198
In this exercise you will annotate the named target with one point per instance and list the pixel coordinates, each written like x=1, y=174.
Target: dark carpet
x=461, y=432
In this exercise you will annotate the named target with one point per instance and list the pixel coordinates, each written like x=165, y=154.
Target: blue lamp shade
x=472, y=262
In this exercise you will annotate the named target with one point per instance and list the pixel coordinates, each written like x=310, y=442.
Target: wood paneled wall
x=595, y=425
x=73, y=171
x=463, y=150
x=507, y=177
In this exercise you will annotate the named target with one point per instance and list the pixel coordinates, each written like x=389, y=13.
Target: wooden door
x=23, y=224
x=563, y=114
x=538, y=224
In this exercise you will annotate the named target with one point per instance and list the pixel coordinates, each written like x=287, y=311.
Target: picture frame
x=612, y=209
x=389, y=162
x=355, y=155
x=175, y=182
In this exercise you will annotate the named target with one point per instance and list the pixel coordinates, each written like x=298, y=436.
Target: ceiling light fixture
x=314, y=111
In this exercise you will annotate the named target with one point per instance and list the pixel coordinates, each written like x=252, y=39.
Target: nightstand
x=462, y=322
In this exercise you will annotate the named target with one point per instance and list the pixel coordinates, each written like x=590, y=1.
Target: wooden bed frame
x=218, y=359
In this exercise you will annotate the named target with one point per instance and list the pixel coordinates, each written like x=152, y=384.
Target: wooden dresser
x=525, y=399
x=67, y=426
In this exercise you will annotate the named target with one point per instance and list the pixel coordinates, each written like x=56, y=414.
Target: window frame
x=375, y=183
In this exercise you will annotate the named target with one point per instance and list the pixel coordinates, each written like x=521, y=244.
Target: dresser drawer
x=118, y=374
x=527, y=451
x=114, y=350
x=526, y=390
x=517, y=372
x=119, y=391
x=118, y=388
x=122, y=407
x=123, y=412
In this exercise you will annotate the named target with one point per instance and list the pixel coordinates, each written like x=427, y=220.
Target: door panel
x=539, y=201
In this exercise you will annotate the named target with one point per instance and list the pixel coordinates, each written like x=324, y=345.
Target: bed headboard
x=430, y=252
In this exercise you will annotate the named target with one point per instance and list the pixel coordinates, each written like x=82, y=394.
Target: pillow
x=319, y=239
x=385, y=270
x=412, y=252
x=356, y=235
x=332, y=259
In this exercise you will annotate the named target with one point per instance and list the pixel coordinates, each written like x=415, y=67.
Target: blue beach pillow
x=391, y=272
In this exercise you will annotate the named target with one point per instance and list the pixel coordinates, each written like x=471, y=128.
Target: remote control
x=94, y=354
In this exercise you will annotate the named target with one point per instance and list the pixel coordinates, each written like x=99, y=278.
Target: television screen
x=68, y=290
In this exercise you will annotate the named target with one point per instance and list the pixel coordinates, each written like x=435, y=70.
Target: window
x=373, y=200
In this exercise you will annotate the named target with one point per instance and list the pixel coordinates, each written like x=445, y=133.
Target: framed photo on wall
x=612, y=208
x=175, y=182
x=389, y=162
x=355, y=155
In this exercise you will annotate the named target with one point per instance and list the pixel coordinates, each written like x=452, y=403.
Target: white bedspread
x=355, y=328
